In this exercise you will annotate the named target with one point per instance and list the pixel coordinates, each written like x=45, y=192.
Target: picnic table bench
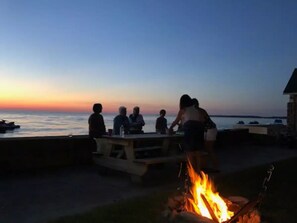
x=134, y=154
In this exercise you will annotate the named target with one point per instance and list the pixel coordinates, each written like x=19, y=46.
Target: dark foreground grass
x=279, y=204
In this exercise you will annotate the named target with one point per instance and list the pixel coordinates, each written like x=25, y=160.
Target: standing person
x=209, y=136
x=193, y=125
x=96, y=122
x=121, y=120
x=161, y=122
x=136, y=121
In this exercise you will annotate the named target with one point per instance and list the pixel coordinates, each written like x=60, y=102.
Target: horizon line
x=144, y=113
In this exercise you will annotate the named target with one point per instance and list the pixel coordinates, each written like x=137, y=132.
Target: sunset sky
x=234, y=56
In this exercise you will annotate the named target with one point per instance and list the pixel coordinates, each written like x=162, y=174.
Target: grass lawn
x=278, y=206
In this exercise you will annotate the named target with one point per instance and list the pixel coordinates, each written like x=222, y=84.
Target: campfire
x=202, y=204
x=204, y=200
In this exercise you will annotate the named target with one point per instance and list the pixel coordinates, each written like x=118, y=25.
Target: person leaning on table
x=177, y=121
x=193, y=122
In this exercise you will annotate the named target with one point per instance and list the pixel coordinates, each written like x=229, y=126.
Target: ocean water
x=66, y=124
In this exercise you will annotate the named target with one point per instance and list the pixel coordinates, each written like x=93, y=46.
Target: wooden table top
x=143, y=136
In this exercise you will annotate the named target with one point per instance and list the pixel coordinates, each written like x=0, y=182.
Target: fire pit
x=200, y=203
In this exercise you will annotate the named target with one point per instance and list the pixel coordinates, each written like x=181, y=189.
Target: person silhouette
x=96, y=122
x=121, y=120
x=161, y=122
x=136, y=121
x=193, y=122
x=209, y=136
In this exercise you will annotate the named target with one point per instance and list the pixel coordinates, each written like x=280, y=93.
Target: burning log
x=202, y=204
x=175, y=212
x=190, y=217
x=176, y=203
x=238, y=200
x=212, y=214
x=244, y=211
x=252, y=217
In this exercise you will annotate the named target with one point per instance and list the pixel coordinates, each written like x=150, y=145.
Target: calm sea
x=59, y=124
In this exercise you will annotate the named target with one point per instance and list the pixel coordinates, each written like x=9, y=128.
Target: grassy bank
x=278, y=205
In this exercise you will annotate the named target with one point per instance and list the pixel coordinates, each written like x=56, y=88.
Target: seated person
x=161, y=123
x=119, y=120
x=96, y=122
x=136, y=121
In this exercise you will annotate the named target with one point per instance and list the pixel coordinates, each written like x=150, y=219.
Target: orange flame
x=204, y=198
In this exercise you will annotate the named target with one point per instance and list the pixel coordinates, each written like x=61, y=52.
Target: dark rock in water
x=4, y=126
x=240, y=122
x=278, y=121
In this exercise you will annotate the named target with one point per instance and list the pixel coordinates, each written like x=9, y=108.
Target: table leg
x=129, y=150
x=136, y=179
x=165, y=146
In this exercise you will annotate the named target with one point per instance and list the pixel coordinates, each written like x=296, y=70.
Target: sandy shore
x=41, y=196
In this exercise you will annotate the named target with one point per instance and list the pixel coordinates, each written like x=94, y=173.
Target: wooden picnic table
x=130, y=153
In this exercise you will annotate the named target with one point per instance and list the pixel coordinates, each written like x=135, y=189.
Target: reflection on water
x=57, y=124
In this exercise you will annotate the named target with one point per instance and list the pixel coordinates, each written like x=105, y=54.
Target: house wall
x=292, y=114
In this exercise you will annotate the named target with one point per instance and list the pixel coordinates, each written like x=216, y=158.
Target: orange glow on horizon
x=48, y=95
x=79, y=106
